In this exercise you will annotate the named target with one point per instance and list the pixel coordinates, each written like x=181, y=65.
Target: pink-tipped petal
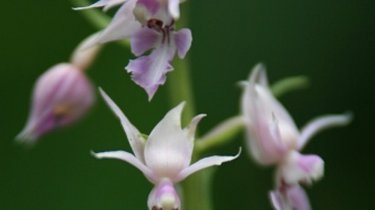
x=205, y=163
x=168, y=149
x=127, y=157
x=183, y=40
x=135, y=138
x=320, y=124
x=106, y=4
x=150, y=71
x=144, y=40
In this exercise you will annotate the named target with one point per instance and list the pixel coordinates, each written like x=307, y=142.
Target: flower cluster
x=274, y=139
x=64, y=94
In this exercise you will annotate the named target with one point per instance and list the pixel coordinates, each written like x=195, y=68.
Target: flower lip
x=164, y=197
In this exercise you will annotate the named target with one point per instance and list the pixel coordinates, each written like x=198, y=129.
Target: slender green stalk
x=196, y=189
x=96, y=17
x=289, y=84
x=221, y=134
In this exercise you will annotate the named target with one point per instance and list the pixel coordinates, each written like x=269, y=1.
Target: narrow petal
x=174, y=8
x=135, y=138
x=122, y=26
x=168, y=149
x=259, y=75
x=183, y=40
x=127, y=157
x=290, y=198
x=144, y=40
x=276, y=200
x=107, y=4
x=150, y=71
x=299, y=168
x=193, y=126
x=320, y=124
x=205, y=163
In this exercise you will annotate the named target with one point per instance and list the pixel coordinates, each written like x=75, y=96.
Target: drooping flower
x=164, y=157
x=274, y=139
x=61, y=96
x=150, y=25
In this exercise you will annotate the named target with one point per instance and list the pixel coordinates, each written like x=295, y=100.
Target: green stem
x=94, y=16
x=289, y=84
x=196, y=190
x=221, y=134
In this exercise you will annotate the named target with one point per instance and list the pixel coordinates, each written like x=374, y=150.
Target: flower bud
x=271, y=131
x=164, y=197
x=60, y=97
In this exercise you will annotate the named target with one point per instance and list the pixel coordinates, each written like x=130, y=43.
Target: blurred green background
x=332, y=42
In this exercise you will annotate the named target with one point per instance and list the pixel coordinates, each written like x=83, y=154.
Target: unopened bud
x=60, y=97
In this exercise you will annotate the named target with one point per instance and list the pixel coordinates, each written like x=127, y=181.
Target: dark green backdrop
x=330, y=41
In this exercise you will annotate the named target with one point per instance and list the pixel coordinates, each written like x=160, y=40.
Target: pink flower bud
x=271, y=131
x=60, y=97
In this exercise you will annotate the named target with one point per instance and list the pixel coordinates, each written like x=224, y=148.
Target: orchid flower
x=274, y=139
x=149, y=24
x=164, y=156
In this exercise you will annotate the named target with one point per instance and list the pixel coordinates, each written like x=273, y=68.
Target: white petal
x=168, y=149
x=320, y=124
x=193, y=126
x=135, y=138
x=259, y=75
x=174, y=8
x=127, y=157
x=205, y=163
x=123, y=24
x=107, y=4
